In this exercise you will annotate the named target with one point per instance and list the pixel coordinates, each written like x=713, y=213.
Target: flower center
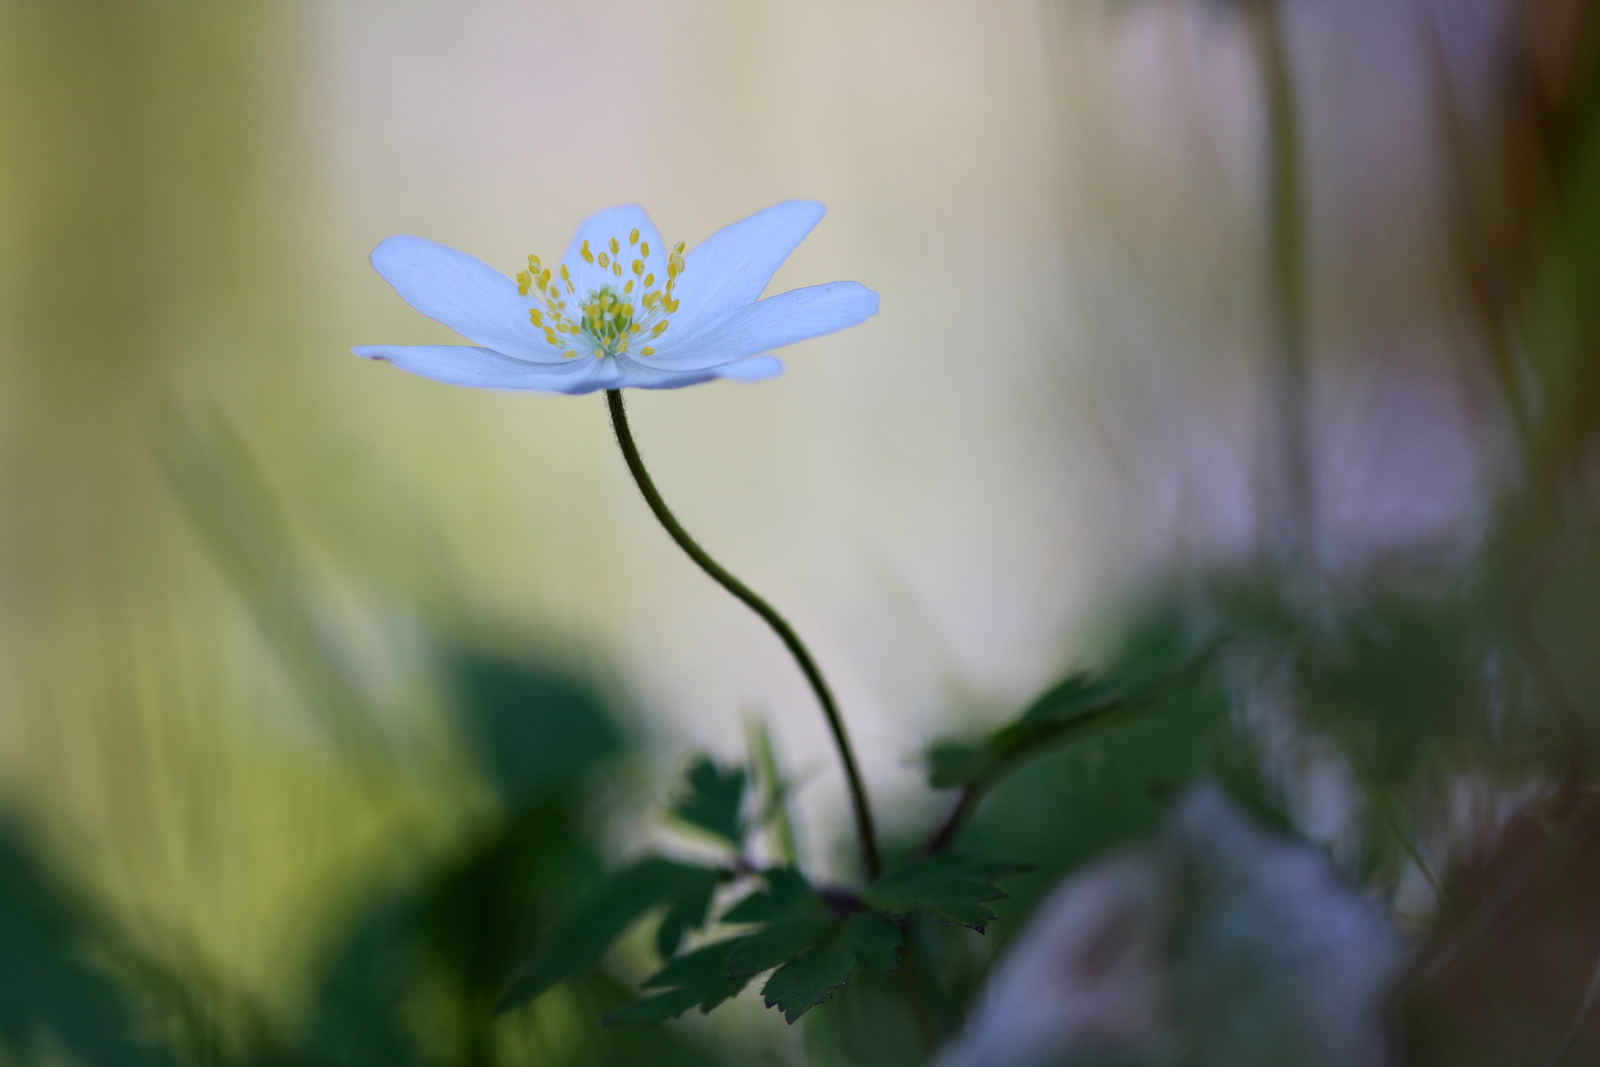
x=629, y=309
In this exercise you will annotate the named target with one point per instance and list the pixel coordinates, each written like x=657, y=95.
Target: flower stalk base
x=866, y=832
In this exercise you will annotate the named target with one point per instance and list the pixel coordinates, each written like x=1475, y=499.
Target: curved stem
x=865, y=830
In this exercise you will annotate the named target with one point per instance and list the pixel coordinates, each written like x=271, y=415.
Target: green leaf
x=50, y=995
x=705, y=964
x=715, y=801
x=808, y=979
x=699, y=977
x=952, y=889
x=778, y=944
x=688, y=911
x=952, y=763
x=1074, y=695
x=1078, y=702
x=788, y=896
x=655, y=1009
x=875, y=939
x=534, y=730
x=602, y=917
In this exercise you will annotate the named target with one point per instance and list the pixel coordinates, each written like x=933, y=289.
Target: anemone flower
x=620, y=309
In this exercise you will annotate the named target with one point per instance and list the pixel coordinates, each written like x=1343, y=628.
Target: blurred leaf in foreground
x=47, y=987
x=714, y=801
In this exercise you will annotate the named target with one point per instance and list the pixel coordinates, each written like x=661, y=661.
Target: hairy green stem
x=866, y=833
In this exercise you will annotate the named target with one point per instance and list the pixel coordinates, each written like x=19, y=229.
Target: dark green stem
x=1286, y=281
x=865, y=830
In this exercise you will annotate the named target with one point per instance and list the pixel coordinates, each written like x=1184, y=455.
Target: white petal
x=482, y=368
x=467, y=295
x=779, y=320
x=733, y=266
x=645, y=374
x=598, y=229
x=754, y=369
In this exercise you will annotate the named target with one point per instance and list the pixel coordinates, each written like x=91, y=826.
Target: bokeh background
x=230, y=551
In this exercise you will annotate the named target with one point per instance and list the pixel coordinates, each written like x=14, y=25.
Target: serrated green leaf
x=951, y=888
x=875, y=939
x=714, y=801
x=674, y=1002
x=779, y=943
x=699, y=978
x=708, y=963
x=688, y=911
x=808, y=979
x=788, y=896
x=715, y=993
x=655, y=1009
x=602, y=917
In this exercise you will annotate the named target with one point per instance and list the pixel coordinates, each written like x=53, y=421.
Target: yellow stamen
x=608, y=318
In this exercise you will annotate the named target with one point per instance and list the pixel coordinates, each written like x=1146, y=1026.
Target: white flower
x=620, y=309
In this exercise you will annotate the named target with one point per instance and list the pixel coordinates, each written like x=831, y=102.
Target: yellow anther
x=533, y=263
x=649, y=280
x=622, y=346
x=569, y=355
x=524, y=282
x=633, y=237
x=629, y=287
x=647, y=351
x=544, y=277
x=677, y=249
x=615, y=248
x=536, y=316
x=616, y=267
x=583, y=250
x=605, y=260
x=644, y=249
x=658, y=329
x=671, y=307
x=550, y=338
x=599, y=352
